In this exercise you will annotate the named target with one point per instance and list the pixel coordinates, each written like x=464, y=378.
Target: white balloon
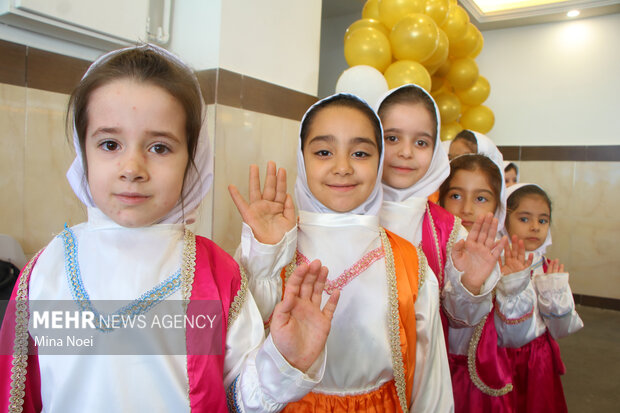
x=363, y=81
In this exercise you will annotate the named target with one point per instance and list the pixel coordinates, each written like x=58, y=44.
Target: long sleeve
x=516, y=318
x=556, y=304
x=263, y=263
x=257, y=376
x=432, y=388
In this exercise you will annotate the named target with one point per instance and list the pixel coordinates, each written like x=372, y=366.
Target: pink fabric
x=537, y=368
x=444, y=223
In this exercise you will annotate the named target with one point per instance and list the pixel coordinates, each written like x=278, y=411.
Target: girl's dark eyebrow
x=115, y=131
x=331, y=139
x=106, y=130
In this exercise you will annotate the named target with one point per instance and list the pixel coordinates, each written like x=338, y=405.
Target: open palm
x=514, y=257
x=269, y=213
x=477, y=255
x=299, y=327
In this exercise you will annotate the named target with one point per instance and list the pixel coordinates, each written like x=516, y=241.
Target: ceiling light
x=573, y=13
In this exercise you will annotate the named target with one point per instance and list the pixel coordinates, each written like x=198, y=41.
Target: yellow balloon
x=438, y=10
x=463, y=73
x=444, y=68
x=371, y=10
x=440, y=55
x=391, y=11
x=437, y=84
x=478, y=118
x=449, y=130
x=445, y=87
x=368, y=46
x=478, y=48
x=449, y=107
x=375, y=24
x=464, y=108
x=414, y=37
x=467, y=43
x=403, y=72
x=455, y=25
x=476, y=94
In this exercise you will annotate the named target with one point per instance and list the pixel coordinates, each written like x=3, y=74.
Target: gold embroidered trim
x=471, y=364
x=456, y=228
x=235, y=307
x=513, y=321
x=188, y=266
x=394, y=324
x=440, y=276
x=422, y=264
x=20, y=345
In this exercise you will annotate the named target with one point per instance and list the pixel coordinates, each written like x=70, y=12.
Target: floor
x=592, y=359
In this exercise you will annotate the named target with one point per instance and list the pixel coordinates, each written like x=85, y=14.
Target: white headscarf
x=198, y=180
x=438, y=170
x=511, y=190
x=306, y=201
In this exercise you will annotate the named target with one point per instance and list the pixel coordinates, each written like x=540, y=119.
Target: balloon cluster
x=430, y=43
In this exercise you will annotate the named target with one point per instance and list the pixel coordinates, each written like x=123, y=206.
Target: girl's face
x=457, y=148
x=136, y=151
x=530, y=221
x=469, y=196
x=341, y=157
x=409, y=136
x=510, y=177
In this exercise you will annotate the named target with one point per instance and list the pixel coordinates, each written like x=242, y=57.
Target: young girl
x=542, y=297
x=386, y=351
x=464, y=142
x=415, y=166
x=511, y=173
x=143, y=162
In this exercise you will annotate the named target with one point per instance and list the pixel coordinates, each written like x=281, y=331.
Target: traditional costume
x=385, y=351
x=164, y=262
x=533, y=309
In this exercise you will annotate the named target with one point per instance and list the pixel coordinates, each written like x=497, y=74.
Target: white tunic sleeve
x=556, y=304
x=432, y=386
x=516, y=310
x=257, y=376
x=263, y=263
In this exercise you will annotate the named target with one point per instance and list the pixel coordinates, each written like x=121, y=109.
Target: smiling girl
x=386, y=351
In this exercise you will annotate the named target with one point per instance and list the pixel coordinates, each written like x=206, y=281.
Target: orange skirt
x=382, y=400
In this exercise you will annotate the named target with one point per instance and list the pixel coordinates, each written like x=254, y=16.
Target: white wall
x=332, y=62
x=556, y=83
x=276, y=41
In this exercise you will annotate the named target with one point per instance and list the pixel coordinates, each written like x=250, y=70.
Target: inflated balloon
x=467, y=43
x=455, y=25
x=375, y=24
x=371, y=10
x=449, y=130
x=449, y=107
x=476, y=94
x=368, y=46
x=438, y=10
x=478, y=118
x=463, y=73
x=444, y=68
x=391, y=11
x=414, y=37
x=363, y=81
x=407, y=71
x=437, y=83
x=440, y=55
x=478, y=48
x=445, y=87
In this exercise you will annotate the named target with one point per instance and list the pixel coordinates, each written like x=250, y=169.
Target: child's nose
x=343, y=165
x=133, y=167
x=406, y=150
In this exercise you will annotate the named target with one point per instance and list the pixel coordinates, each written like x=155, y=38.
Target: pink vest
x=216, y=277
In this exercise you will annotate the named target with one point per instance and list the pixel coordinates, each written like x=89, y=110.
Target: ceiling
x=497, y=14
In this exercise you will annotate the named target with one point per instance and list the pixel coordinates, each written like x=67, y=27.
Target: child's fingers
x=281, y=186
x=530, y=259
x=293, y=284
x=309, y=279
x=331, y=304
x=319, y=286
x=561, y=268
x=498, y=246
x=269, y=191
x=289, y=209
x=475, y=229
x=521, y=251
x=254, y=184
x=491, y=232
x=238, y=199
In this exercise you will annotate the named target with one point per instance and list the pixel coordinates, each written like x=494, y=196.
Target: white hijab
x=306, y=201
x=511, y=190
x=198, y=180
x=438, y=170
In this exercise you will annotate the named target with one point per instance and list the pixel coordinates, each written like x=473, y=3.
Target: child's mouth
x=402, y=169
x=131, y=198
x=342, y=188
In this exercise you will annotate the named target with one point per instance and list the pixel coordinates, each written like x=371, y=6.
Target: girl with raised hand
x=143, y=165
x=386, y=351
x=541, y=293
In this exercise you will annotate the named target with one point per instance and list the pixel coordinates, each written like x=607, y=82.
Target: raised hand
x=514, y=257
x=299, y=327
x=554, y=267
x=270, y=213
x=477, y=255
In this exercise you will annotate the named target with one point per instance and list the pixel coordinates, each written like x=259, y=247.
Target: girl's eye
x=391, y=138
x=422, y=143
x=322, y=153
x=523, y=219
x=455, y=196
x=543, y=221
x=360, y=154
x=481, y=199
x=160, y=149
x=109, y=146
